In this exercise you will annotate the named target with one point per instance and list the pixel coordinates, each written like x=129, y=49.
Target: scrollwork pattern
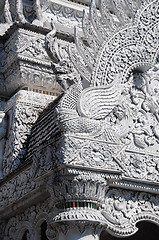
x=120, y=105
x=123, y=209
x=23, y=111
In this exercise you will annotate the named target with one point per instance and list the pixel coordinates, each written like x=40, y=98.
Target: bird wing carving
x=98, y=102
x=113, y=50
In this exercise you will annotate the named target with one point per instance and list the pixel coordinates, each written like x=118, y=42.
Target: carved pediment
x=110, y=115
x=89, y=160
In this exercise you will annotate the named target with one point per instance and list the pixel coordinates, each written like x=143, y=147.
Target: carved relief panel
x=22, y=111
x=110, y=117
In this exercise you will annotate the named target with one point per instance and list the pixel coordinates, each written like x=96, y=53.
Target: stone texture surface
x=86, y=161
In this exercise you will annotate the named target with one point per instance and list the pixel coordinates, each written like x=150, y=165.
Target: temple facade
x=79, y=120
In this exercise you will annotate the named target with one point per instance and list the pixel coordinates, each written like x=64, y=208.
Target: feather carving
x=98, y=102
x=125, y=45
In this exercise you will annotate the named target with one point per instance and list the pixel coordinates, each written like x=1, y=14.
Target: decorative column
x=77, y=197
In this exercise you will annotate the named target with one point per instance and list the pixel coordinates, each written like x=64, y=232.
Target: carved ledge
x=25, y=62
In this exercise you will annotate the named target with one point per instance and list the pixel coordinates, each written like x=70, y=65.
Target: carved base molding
x=77, y=230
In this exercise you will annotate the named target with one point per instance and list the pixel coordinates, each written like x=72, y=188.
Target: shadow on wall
x=42, y=233
x=147, y=231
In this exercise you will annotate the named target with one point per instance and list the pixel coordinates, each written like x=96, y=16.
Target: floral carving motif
x=91, y=153
x=123, y=209
x=65, y=15
x=22, y=114
x=104, y=127
x=17, y=187
x=27, y=45
x=19, y=131
x=29, y=220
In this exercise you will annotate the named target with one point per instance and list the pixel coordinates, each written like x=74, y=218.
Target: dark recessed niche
x=25, y=235
x=43, y=231
x=147, y=231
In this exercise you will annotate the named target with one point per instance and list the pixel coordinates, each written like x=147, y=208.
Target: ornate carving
x=27, y=45
x=25, y=62
x=109, y=121
x=24, y=12
x=13, y=11
x=119, y=106
x=30, y=221
x=103, y=130
x=45, y=155
x=65, y=13
x=75, y=185
x=77, y=230
x=23, y=110
x=123, y=209
x=17, y=188
x=90, y=153
x=23, y=117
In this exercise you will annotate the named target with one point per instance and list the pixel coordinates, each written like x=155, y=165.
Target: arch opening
x=25, y=235
x=43, y=231
x=146, y=231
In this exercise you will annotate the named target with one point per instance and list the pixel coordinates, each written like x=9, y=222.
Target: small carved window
x=43, y=231
x=25, y=235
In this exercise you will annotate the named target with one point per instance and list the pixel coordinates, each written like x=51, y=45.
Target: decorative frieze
x=91, y=156
x=65, y=14
x=123, y=209
x=30, y=220
x=22, y=111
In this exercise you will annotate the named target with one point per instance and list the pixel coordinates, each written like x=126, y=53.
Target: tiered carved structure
x=86, y=161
